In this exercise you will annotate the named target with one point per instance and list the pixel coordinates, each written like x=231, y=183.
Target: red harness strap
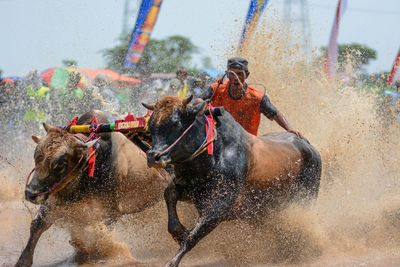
x=92, y=150
x=91, y=161
x=210, y=131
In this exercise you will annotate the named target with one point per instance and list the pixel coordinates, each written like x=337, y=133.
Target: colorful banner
x=256, y=9
x=394, y=73
x=145, y=22
x=332, y=50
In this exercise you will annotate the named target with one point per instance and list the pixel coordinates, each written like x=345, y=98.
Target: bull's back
x=138, y=185
x=275, y=159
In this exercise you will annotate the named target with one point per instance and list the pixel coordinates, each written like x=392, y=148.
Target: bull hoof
x=23, y=263
x=172, y=263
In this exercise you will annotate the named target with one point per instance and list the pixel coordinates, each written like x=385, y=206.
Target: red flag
x=396, y=65
x=332, y=50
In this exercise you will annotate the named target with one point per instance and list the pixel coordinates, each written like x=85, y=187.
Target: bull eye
x=39, y=158
x=59, y=164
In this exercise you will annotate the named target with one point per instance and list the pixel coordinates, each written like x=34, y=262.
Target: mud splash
x=358, y=210
x=356, y=219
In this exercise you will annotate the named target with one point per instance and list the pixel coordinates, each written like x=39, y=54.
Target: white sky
x=39, y=34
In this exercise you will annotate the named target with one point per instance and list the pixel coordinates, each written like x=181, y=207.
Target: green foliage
x=358, y=55
x=69, y=62
x=207, y=62
x=375, y=82
x=164, y=55
x=114, y=57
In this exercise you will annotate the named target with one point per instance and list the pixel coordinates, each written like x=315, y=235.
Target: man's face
x=181, y=76
x=236, y=77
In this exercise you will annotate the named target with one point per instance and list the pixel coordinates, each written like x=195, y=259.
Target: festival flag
x=254, y=13
x=144, y=25
x=332, y=51
x=394, y=73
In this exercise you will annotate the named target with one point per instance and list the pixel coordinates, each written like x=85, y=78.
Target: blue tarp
x=214, y=73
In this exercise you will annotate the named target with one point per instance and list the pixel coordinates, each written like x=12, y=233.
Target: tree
x=358, y=55
x=69, y=62
x=164, y=55
x=115, y=56
x=207, y=62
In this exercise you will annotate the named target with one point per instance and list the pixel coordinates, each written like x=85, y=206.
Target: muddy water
x=354, y=222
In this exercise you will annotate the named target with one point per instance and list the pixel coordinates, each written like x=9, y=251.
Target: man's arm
x=207, y=94
x=272, y=113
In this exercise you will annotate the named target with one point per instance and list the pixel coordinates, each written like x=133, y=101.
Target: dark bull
x=246, y=176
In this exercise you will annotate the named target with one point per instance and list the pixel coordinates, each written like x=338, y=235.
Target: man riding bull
x=243, y=101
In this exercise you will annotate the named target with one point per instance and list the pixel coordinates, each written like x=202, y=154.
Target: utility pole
x=300, y=15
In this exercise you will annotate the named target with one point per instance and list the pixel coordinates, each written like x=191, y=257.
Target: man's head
x=238, y=72
x=397, y=85
x=74, y=79
x=181, y=74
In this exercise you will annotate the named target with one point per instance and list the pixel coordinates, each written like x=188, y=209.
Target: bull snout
x=155, y=160
x=30, y=196
x=34, y=197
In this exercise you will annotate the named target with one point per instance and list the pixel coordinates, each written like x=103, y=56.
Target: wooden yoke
x=134, y=128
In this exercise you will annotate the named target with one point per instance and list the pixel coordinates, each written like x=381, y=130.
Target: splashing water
x=356, y=219
x=358, y=208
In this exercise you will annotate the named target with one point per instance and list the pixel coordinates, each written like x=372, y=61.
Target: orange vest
x=246, y=110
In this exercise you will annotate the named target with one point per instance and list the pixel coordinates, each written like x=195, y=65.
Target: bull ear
x=149, y=107
x=198, y=109
x=48, y=127
x=186, y=101
x=36, y=139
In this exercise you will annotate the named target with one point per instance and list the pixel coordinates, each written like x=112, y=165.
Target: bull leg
x=38, y=226
x=211, y=217
x=175, y=227
x=94, y=242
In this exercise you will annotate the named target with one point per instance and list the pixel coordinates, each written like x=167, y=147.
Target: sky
x=39, y=34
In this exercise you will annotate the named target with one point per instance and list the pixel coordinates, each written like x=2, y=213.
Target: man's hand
x=281, y=120
x=296, y=133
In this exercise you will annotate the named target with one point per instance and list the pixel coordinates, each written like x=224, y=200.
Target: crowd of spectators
x=28, y=101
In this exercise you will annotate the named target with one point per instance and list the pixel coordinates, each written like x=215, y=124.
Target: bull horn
x=149, y=107
x=88, y=144
x=48, y=127
x=91, y=143
x=187, y=100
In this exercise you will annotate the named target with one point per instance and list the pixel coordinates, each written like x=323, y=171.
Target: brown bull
x=122, y=184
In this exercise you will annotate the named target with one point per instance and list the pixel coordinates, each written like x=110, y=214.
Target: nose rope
x=220, y=81
x=198, y=151
x=165, y=151
x=28, y=180
x=64, y=181
x=237, y=77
